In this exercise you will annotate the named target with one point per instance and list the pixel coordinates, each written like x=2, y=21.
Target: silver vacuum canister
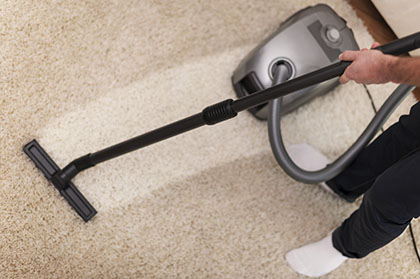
x=308, y=40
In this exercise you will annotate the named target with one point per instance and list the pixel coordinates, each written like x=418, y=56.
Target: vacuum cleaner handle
x=400, y=46
x=396, y=47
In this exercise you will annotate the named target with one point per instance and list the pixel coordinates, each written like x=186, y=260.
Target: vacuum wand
x=61, y=178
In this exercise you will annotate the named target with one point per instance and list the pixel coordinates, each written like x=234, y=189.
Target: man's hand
x=368, y=66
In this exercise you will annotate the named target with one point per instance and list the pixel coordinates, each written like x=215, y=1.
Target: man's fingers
x=343, y=78
x=375, y=44
x=348, y=55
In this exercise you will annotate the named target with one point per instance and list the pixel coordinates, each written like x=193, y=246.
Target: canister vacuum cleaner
x=310, y=39
x=292, y=66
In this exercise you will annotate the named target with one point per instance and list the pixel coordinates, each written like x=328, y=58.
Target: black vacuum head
x=48, y=167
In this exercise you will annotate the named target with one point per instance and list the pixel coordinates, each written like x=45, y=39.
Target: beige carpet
x=211, y=203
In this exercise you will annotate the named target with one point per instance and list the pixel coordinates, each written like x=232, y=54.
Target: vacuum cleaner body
x=310, y=39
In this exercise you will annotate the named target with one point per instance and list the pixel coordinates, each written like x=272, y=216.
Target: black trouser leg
x=388, y=170
x=387, y=209
x=395, y=143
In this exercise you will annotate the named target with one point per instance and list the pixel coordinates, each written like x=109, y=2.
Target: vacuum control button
x=333, y=35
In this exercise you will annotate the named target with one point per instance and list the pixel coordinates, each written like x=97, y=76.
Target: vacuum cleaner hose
x=333, y=169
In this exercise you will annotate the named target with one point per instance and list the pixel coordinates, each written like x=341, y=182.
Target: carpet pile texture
x=211, y=203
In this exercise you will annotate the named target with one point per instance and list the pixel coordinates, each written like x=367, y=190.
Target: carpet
x=211, y=203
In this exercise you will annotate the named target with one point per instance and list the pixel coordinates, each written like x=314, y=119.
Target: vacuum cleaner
x=318, y=31
x=310, y=39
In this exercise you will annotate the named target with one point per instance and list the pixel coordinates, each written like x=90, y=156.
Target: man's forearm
x=405, y=70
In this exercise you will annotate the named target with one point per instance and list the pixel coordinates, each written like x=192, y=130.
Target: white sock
x=309, y=158
x=315, y=259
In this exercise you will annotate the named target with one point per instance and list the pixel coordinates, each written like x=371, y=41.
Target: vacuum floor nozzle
x=48, y=167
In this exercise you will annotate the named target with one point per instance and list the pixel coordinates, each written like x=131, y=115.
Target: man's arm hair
x=405, y=70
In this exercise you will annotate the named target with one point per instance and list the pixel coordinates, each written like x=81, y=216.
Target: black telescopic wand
x=61, y=178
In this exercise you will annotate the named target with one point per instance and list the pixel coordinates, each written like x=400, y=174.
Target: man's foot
x=308, y=158
x=315, y=259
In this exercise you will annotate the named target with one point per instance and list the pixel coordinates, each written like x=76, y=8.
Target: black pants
x=387, y=172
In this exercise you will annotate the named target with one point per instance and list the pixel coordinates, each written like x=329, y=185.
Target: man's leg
x=399, y=141
x=387, y=209
x=395, y=143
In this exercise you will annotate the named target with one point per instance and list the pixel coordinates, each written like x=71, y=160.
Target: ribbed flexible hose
x=333, y=169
